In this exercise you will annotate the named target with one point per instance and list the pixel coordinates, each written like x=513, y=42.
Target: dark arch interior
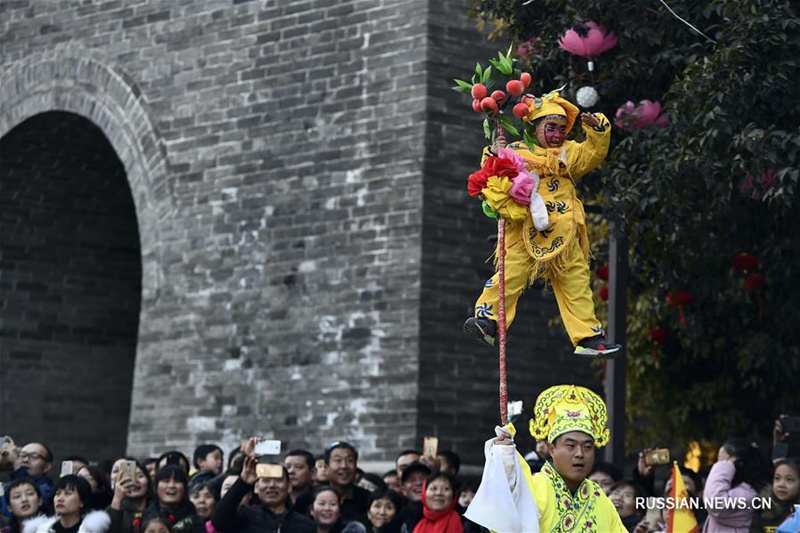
x=70, y=288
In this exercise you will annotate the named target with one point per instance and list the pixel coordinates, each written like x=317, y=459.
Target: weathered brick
x=294, y=250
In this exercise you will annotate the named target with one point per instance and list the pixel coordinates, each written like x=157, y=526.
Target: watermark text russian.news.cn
x=693, y=503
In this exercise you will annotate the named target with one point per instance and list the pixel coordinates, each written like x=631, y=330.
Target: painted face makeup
x=551, y=133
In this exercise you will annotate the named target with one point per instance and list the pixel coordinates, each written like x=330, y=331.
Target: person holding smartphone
x=271, y=512
x=132, y=495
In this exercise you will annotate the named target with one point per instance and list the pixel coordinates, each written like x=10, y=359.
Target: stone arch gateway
x=81, y=171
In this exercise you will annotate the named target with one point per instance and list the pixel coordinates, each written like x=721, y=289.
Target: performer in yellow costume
x=559, y=498
x=558, y=250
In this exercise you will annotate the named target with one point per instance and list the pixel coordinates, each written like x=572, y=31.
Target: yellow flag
x=680, y=519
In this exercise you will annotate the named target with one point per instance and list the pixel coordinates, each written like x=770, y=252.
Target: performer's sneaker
x=481, y=330
x=597, y=347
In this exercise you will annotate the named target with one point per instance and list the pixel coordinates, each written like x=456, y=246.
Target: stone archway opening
x=70, y=287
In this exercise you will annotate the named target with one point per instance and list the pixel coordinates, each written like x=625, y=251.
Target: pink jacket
x=725, y=514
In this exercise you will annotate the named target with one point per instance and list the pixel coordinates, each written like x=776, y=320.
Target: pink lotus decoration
x=647, y=113
x=767, y=181
x=595, y=43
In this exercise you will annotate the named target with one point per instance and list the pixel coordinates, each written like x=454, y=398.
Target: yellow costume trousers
x=570, y=285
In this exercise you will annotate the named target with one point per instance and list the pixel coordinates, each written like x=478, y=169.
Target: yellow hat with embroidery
x=566, y=408
x=552, y=104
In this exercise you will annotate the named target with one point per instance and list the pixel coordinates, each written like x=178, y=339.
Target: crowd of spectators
x=329, y=493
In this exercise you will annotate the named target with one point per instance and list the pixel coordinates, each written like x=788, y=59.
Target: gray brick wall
x=308, y=250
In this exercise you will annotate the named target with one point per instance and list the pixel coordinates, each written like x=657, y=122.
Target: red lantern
x=658, y=335
x=602, y=273
x=745, y=263
x=603, y=293
x=679, y=299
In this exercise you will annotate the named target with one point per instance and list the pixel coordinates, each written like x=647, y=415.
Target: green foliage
x=683, y=194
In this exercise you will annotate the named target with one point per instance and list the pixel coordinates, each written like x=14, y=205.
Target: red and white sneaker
x=597, y=347
x=481, y=330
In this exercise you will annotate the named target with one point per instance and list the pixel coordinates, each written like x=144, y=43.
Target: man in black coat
x=271, y=514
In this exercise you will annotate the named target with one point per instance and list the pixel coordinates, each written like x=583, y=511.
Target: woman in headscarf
x=439, y=499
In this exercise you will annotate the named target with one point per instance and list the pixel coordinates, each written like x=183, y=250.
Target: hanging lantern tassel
x=658, y=336
x=755, y=283
x=679, y=299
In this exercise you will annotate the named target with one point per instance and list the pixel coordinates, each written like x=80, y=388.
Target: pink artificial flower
x=514, y=157
x=521, y=190
x=595, y=43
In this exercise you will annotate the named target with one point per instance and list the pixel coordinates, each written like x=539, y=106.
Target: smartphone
x=791, y=424
x=129, y=467
x=430, y=447
x=268, y=447
x=657, y=457
x=67, y=468
x=269, y=470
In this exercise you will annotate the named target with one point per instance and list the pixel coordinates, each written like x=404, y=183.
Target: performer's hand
x=499, y=142
x=589, y=120
x=502, y=441
x=503, y=437
x=642, y=527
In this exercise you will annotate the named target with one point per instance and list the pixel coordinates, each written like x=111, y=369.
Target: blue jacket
x=43, y=482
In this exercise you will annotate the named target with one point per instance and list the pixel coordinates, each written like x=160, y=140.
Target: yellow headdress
x=566, y=408
x=552, y=104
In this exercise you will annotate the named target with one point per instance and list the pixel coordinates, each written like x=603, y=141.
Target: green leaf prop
x=496, y=74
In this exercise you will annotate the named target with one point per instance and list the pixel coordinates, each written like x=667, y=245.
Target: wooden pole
x=501, y=318
x=501, y=312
